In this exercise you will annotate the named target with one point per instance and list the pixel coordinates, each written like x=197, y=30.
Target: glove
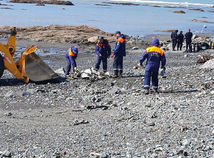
x=75, y=68
x=163, y=70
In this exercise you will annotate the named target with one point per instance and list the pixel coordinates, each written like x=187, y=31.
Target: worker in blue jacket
x=70, y=57
x=119, y=53
x=154, y=56
x=103, y=51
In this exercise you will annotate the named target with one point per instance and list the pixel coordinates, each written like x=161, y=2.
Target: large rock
x=208, y=65
x=179, y=12
x=57, y=2
x=93, y=39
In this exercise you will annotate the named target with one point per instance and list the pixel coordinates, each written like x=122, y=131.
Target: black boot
x=146, y=91
x=120, y=73
x=115, y=74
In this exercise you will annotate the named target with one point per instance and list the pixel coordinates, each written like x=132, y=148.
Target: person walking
x=119, y=53
x=154, y=56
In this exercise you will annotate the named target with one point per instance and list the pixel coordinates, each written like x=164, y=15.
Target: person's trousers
x=118, y=64
x=179, y=45
x=68, y=66
x=98, y=62
x=174, y=42
x=149, y=74
x=188, y=46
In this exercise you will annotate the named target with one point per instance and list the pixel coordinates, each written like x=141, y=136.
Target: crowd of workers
x=153, y=55
x=178, y=39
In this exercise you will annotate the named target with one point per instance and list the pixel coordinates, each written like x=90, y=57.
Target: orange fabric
x=155, y=49
x=71, y=53
x=112, y=55
x=121, y=40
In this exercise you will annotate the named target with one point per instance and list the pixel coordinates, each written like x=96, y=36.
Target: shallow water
x=132, y=20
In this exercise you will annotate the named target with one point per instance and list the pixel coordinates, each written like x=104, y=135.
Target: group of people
x=178, y=39
x=154, y=56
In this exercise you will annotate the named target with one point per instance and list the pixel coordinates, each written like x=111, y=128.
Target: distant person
x=119, y=53
x=174, y=38
x=70, y=57
x=180, y=40
x=154, y=56
x=188, y=37
x=103, y=51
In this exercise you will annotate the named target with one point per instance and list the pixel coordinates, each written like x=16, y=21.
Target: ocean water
x=132, y=20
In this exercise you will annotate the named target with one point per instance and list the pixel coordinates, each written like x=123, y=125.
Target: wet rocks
x=202, y=21
x=179, y=12
x=197, y=9
x=62, y=34
x=42, y=2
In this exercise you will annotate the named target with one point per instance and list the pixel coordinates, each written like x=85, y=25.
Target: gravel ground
x=111, y=117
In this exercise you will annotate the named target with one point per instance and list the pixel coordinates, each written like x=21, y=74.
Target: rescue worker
x=154, y=56
x=174, y=38
x=119, y=53
x=70, y=57
x=103, y=51
x=180, y=40
x=188, y=37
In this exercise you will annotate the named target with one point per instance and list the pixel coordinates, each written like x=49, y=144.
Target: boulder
x=93, y=39
x=204, y=59
x=179, y=12
x=208, y=65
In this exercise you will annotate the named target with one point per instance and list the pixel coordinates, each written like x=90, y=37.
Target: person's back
x=174, y=35
x=154, y=56
x=181, y=37
x=188, y=36
x=174, y=38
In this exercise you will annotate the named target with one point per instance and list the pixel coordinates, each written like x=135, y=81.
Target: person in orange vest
x=154, y=57
x=70, y=57
x=103, y=51
x=119, y=53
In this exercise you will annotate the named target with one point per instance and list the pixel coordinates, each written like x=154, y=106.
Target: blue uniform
x=70, y=57
x=103, y=51
x=154, y=56
x=119, y=53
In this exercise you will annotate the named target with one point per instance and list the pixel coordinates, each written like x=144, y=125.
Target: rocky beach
x=106, y=117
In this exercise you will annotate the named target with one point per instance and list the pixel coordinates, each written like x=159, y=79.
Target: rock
x=185, y=142
x=208, y=65
x=93, y=39
x=9, y=94
x=204, y=59
x=104, y=155
x=6, y=153
x=179, y=12
x=135, y=48
x=202, y=21
x=57, y=2
x=197, y=9
x=8, y=114
x=60, y=71
x=94, y=155
x=79, y=122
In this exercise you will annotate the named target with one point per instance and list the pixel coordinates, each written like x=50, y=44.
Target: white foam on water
x=163, y=3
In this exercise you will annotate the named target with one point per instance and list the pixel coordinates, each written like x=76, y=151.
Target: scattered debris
x=80, y=122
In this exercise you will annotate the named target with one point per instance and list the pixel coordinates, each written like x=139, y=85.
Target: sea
x=134, y=20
